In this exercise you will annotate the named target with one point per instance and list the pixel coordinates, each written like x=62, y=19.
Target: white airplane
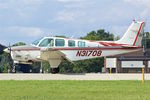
x=55, y=49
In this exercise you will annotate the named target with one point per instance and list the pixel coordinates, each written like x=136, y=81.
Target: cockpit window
x=47, y=43
x=36, y=42
x=60, y=42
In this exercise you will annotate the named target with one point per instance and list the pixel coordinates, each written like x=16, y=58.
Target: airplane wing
x=51, y=53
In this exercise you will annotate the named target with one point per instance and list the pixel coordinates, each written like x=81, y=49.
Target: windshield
x=36, y=42
x=47, y=43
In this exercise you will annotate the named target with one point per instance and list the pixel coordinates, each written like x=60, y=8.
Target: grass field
x=74, y=90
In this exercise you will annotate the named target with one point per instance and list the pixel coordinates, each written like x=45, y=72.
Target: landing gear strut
x=54, y=65
x=13, y=68
x=55, y=70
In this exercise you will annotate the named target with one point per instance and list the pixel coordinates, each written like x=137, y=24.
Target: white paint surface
x=111, y=63
x=132, y=64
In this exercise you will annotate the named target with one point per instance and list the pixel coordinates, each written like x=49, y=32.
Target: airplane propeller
x=10, y=60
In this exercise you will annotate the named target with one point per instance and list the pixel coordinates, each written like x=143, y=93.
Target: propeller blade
x=11, y=62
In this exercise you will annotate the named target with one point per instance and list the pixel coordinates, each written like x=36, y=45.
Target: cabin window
x=71, y=43
x=47, y=43
x=60, y=42
x=81, y=44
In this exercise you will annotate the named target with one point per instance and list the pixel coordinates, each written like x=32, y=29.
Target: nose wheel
x=13, y=69
x=55, y=70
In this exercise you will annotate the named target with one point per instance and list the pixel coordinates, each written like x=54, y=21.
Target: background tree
x=146, y=40
x=4, y=62
x=19, y=44
x=99, y=35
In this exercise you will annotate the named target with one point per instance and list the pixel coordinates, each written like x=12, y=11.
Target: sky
x=28, y=20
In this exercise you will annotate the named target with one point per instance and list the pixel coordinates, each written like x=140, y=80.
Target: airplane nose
x=6, y=50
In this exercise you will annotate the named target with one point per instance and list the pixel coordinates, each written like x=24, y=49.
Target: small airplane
x=56, y=49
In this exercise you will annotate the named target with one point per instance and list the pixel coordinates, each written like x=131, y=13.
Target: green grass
x=74, y=90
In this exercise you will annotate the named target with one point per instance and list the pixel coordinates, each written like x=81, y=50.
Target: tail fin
x=133, y=35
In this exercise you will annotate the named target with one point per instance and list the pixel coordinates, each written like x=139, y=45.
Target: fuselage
x=73, y=49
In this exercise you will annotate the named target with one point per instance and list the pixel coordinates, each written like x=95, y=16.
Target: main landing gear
x=55, y=70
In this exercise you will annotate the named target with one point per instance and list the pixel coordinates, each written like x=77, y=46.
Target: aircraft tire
x=55, y=70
